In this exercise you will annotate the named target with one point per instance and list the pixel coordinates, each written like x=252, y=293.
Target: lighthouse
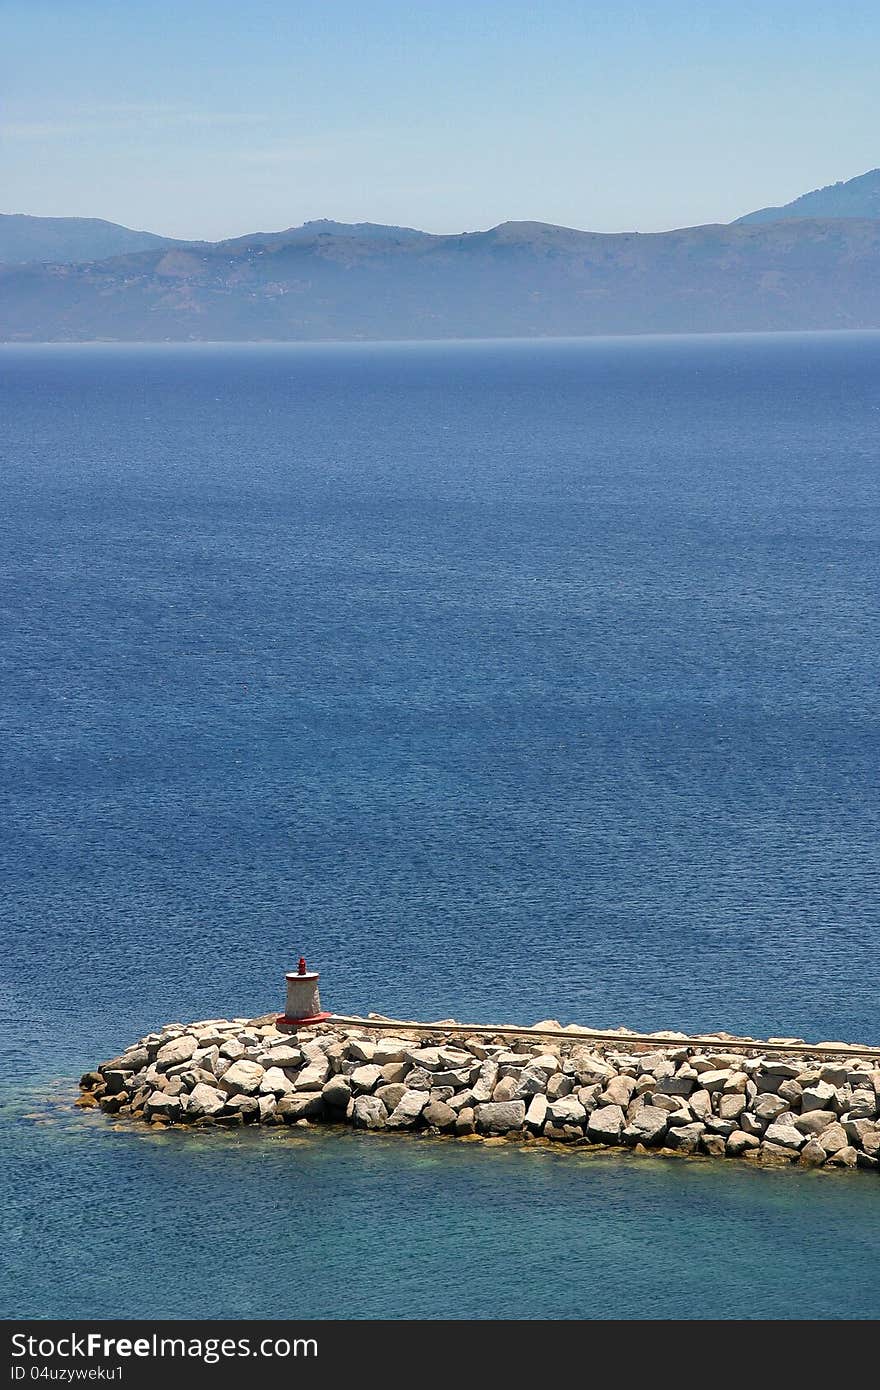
x=303, y=1005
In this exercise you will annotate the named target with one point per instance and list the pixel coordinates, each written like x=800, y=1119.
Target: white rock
x=427, y=1057
x=700, y=1103
x=389, y=1050
x=486, y=1082
x=605, y=1124
x=283, y=1055
x=204, y=1100
x=731, y=1105
x=768, y=1106
x=863, y=1134
x=178, y=1050
x=650, y=1124
x=821, y=1096
x=685, y=1138
x=501, y=1117
x=274, y=1082
x=313, y=1076
x=739, y=1141
x=567, y=1110
x=835, y=1073
x=161, y=1104
x=618, y=1091
x=366, y=1078
x=408, y=1109
x=715, y=1080
x=368, y=1112
x=242, y=1078
x=337, y=1092
x=815, y=1122
x=537, y=1112
x=863, y=1105
x=785, y=1135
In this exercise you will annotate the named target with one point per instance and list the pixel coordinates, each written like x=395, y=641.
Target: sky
x=205, y=118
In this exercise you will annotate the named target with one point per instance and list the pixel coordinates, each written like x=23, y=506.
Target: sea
x=505, y=681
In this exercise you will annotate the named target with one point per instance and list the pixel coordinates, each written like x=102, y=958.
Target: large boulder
x=505, y=1090
x=458, y=1079
x=812, y=1155
x=427, y=1057
x=739, y=1143
x=863, y=1134
x=820, y=1096
x=700, y=1104
x=313, y=1076
x=439, y=1115
x=767, y=1106
x=368, y=1112
x=731, y=1105
x=274, y=1082
x=533, y=1082
x=388, y=1050
x=161, y=1104
x=618, y=1091
x=453, y=1058
x=814, y=1122
x=408, y=1110
x=242, y=1078
x=833, y=1138
x=685, y=1138
x=246, y=1106
x=498, y=1118
x=649, y=1125
x=178, y=1050
x=336, y=1092
x=303, y=1106
x=847, y=1157
x=366, y=1078
x=537, y=1113
x=283, y=1055
x=486, y=1082
x=785, y=1136
x=863, y=1105
x=681, y=1084
x=567, y=1110
x=204, y=1100
x=605, y=1124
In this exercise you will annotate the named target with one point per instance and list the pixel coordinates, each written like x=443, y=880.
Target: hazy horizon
x=213, y=121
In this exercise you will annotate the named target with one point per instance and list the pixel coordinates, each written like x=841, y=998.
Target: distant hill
x=62, y=240
x=365, y=231
x=519, y=279
x=859, y=197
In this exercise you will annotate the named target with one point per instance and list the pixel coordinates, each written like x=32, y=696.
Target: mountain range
x=812, y=263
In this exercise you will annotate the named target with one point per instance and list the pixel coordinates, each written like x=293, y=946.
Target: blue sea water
x=504, y=680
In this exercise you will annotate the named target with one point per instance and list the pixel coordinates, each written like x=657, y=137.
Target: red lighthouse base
x=284, y=1022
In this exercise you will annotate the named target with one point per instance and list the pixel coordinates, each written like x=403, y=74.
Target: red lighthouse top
x=301, y=968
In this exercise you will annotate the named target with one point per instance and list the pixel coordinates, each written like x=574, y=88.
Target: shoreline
x=775, y=1102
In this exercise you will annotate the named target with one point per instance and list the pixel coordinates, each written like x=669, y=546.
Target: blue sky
x=211, y=119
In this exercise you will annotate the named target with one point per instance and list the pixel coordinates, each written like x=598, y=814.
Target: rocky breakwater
x=684, y=1099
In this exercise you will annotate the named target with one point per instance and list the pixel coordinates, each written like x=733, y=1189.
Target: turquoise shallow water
x=328, y=1224
x=506, y=680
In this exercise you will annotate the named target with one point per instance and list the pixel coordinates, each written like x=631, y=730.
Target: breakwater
x=774, y=1103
